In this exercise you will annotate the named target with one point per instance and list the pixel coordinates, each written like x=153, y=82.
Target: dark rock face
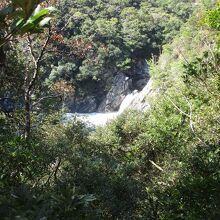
x=122, y=84
x=140, y=75
x=7, y=105
x=120, y=88
x=84, y=105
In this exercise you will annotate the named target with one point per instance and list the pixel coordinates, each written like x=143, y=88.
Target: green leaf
x=19, y=22
x=38, y=15
x=45, y=22
x=28, y=6
x=26, y=28
x=37, y=10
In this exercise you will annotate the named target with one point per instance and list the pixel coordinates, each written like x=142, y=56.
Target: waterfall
x=127, y=101
x=140, y=102
x=135, y=100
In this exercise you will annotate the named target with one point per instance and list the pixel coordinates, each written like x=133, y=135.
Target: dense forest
x=160, y=163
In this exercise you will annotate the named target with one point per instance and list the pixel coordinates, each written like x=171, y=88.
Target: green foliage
x=31, y=184
x=160, y=164
x=110, y=36
x=20, y=17
x=213, y=18
x=61, y=71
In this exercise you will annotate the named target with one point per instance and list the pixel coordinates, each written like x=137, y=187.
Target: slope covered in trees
x=105, y=37
x=160, y=164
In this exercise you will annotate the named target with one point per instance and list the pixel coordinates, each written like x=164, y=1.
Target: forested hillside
x=104, y=38
x=93, y=41
x=159, y=164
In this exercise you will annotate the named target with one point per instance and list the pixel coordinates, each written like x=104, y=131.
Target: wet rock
x=121, y=87
x=87, y=104
x=142, y=99
x=140, y=75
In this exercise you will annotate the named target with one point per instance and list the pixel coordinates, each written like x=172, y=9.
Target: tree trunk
x=27, y=115
x=29, y=83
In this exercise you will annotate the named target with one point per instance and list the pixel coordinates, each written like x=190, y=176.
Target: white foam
x=100, y=119
x=127, y=101
x=97, y=119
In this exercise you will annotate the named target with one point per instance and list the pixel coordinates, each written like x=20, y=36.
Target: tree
x=25, y=19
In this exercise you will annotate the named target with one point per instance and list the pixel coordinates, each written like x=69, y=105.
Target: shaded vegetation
x=159, y=164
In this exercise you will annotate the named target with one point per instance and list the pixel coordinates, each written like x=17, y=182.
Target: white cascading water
x=127, y=101
x=100, y=119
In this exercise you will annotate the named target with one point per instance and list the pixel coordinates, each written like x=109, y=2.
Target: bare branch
x=30, y=81
x=189, y=115
x=181, y=53
x=37, y=60
x=157, y=166
x=46, y=97
x=31, y=49
x=180, y=110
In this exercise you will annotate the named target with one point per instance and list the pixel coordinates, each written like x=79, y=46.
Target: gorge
x=120, y=97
